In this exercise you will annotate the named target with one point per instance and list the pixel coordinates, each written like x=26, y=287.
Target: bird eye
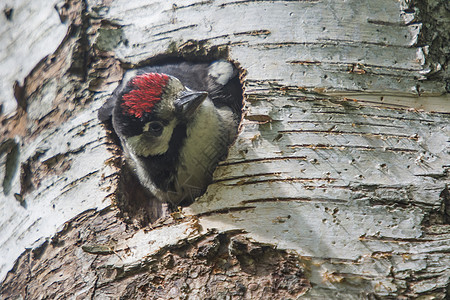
x=155, y=127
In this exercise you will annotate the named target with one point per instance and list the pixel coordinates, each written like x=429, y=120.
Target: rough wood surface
x=29, y=32
x=53, y=148
x=339, y=173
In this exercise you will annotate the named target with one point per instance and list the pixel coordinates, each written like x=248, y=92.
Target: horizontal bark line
x=341, y=132
x=271, y=1
x=356, y=147
x=176, y=7
x=348, y=118
x=346, y=115
x=256, y=181
x=258, y=90
x=259, y=32
x=346, y=123
x=348, y=107
x=221, y=180
x=394, y=24
x=266, y=159
x=225, y=210
x=354, y=187
x=405, y=240
x=196, y=4
x=403, y=198
x=74, y=183
x=375, y=116
x=349, y=94
x=404, y=203
x=276, y=45
x=294, y=199
x=361, y=66
x=321, y=42
x=175, y=30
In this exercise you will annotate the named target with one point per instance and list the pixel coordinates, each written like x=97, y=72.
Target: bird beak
x=189, y=101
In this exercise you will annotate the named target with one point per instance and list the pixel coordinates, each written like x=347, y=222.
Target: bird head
x=150, y=107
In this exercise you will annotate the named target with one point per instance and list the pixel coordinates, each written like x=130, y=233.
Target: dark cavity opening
x=136, y=203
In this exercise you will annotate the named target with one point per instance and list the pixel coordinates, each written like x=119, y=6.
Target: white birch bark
x=341, y=161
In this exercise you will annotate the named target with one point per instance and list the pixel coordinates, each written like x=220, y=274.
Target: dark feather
x=194, y=76
x=226, y=91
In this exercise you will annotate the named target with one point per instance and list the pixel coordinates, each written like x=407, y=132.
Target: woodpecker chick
x=175, y=123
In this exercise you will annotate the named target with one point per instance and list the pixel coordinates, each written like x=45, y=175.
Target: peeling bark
x=217, y=264
x=336, y=187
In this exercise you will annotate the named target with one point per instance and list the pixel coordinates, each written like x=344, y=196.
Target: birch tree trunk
x=336, y=187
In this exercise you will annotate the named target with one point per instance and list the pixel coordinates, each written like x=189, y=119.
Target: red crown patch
x=147, y=90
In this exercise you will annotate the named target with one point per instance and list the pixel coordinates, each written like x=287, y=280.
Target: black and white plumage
x=175, y=123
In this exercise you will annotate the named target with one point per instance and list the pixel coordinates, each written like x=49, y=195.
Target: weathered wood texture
x=53, y=148
x=29, y=31
x=76, y=265
x=339, y=173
